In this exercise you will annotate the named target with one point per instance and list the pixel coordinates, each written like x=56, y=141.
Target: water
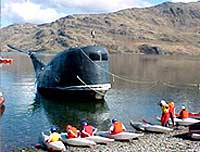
x=140, y=82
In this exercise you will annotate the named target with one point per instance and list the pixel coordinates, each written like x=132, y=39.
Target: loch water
x=139, y=82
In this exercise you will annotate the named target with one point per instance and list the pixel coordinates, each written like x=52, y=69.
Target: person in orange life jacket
x=72, y=132
x=184, y=113
x=116, y=127
x=54, y=136
x=87, y=130
x=172, y=111
x=165, y=113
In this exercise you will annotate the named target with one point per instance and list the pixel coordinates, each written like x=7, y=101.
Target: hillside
x=168, y=28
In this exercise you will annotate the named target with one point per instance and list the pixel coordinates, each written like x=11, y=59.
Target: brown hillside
x=168, y=27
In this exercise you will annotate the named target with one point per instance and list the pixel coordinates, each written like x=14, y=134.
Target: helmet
x=84, y=123
x=183, y=107
x=53, y=129
x=114, y=120
x=163, y=102
x=68, y=127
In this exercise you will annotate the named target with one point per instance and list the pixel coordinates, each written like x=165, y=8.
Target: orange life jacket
x=171, y=108
x=88, y=129
x=184, y=113
x=117, y=127
x=70, y=135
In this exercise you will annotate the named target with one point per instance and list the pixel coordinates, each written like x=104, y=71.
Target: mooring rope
x=154, y=83
x=89, y=86
x=114, y=75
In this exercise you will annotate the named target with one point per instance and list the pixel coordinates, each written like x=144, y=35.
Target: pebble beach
x=175, y=141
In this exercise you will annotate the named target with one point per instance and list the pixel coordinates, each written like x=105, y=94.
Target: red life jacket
x=70, y=135
x=117, y=127
x=88, y=129
x=184, y=113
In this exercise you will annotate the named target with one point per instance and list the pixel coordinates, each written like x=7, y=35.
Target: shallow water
x=139, y=82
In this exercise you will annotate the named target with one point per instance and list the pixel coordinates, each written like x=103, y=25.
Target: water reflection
x=63, y=112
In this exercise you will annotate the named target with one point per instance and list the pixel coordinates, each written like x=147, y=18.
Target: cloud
x=184, y=1
x=26, y=11
x=93, y=6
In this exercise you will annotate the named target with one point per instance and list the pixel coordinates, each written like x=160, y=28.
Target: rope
x=154, y=83
x=114, y=75
x=89, y=86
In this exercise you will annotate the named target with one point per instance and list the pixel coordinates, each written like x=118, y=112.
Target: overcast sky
x=45, y=11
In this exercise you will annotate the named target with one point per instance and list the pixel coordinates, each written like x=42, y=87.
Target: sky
x=46, y=11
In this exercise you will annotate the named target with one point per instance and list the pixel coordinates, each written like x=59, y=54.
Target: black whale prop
x=77, y=73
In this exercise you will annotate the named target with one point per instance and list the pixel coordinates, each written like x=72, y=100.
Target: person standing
x=172, y=111
x=165, y=113
x=1, y=99
x=117, y=127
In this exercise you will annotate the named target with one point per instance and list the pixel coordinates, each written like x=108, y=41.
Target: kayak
x=77, y=141
x=195, y=136
x=183, y=122
x=6, y=60
x=99, y=139
x=119, y=136
x=53, y=146
x=194, y=128
x=148, y=127
x=191, y=115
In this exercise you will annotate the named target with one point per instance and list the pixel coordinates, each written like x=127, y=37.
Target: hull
x=183, y=122
x=120, y=136
x=77, y=141
x=92, y=92
x=99, y=139
x=150, y=127
x=53, y=146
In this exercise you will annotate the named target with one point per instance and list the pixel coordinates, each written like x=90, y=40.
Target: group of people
x=86, y=130
x=168, y=112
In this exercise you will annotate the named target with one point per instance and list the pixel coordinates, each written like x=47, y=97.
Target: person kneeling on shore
x=184, y=113
x=72, y=132
x=117, y=127
x=87, y=130
x=54, y=136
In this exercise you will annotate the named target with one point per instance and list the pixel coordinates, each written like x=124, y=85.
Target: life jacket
x=171, y=108
x=88, y=129
x=70, y=135
x=165, y=109
x=54, y=137
x=184, y=113
x=117, y=127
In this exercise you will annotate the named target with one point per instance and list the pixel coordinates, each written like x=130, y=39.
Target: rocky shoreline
x=175, y=141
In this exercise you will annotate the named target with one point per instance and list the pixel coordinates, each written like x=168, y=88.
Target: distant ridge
x=168, y=28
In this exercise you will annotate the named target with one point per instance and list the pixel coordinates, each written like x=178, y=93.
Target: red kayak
x=192, y=115
x=6, y=60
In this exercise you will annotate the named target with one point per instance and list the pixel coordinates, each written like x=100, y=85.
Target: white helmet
x=183, y=107
x=1, y=94
x=163, y=102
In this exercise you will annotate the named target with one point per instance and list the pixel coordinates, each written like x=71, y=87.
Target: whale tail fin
x=37, y=63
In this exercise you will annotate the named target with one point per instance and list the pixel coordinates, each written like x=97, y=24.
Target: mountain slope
x=169, y=27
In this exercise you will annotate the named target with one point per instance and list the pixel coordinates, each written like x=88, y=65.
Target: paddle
x=143, y=120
